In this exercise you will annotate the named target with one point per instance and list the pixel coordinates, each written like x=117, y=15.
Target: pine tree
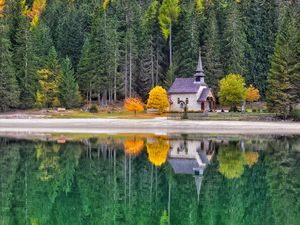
x=212, y=51
x=24, y=61
x=186, y=41
x=151, y=52
x=83, y=75
x=235, y=42
x=94, y=64
x=168, y=15
x=9, y=90
x=69, y=94
x=283, y=81
x=70, y=33
x=261, y=22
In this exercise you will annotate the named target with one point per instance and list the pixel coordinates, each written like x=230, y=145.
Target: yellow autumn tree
x=105, y=4
x=35, y=12
x=158, y=99
x=251, y=158
x=134, y=147
x=199, y=6
x=231, y=162
x=158, y=151
x=252, y=94
x=47, y=95
x=133, y=105
x=2, y=4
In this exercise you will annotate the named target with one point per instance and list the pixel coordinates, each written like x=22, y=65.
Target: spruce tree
x=151, y=51
x=9, y=90
x=261, y=21
x=283, y=81
x=83, y=74
x=186, y=41
x=212, y=51
x=70, y=33
x=94, y=66
x=168, y=15
x=235, y=42
x=69, y=94
x=24, y=62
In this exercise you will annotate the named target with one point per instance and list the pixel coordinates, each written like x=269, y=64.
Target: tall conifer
x=283, y=81
x=9, y=92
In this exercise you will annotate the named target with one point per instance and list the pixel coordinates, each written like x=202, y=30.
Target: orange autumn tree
x=252, y=94
x=35, y=12
x=134, y=147
x=158, y=99
x=158, y=151
x=251, y=158
x=133, y=105
x=2, y=4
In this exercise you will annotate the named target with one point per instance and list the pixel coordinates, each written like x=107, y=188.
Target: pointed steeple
x=199, y=75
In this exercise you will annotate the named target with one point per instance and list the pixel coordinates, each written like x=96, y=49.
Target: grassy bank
x=108, y=115
x=228, y=116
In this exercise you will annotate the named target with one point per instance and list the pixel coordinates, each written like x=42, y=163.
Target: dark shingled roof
x=184, y=85
x=203, y=95
x=183, y=166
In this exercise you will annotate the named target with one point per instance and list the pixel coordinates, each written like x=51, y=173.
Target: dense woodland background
x=56, y=51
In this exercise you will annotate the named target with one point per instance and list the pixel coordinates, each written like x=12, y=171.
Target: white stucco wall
x=177, y=150
x=193, y=104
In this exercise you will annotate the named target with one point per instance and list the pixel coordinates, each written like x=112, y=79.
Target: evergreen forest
x=69, y=52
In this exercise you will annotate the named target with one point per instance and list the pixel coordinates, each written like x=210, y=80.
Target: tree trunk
x=115, y=72
x=152, y=66
x=130, y=67
x=157, y=65
x=125, y=75
x=170, y=44
x=99, y=98
x=26, y=59
x=90, y=93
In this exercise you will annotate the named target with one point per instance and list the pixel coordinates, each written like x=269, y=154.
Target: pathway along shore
x=156, y=126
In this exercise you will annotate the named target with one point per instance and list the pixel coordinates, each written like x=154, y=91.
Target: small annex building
x=192, y=93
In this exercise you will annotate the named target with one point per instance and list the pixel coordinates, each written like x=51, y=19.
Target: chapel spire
x=199, y=75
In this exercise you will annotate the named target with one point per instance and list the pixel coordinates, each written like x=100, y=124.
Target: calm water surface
x=149, y=179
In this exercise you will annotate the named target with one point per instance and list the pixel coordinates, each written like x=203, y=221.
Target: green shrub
x=295, y=114
x=93, y=109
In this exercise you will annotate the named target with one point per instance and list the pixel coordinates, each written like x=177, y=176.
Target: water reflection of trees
x=232, y=160
x=95, y=183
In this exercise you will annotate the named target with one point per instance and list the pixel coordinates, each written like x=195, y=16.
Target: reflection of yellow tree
x=158, y=151
x=133, y=147
x=251, y=158
x=231, y=162
x=49, y=158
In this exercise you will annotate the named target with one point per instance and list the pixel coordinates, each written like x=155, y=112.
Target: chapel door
x=202, y=106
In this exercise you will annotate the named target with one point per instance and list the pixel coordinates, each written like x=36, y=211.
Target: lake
x=149, y=179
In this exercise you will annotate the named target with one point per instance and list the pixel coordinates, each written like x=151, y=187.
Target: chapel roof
x=184, y=86
x=204, y=95
x=183, y=166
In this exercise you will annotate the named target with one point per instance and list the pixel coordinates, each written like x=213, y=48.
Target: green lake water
x=148, y=179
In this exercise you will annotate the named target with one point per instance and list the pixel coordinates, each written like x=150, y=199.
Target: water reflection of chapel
x=191, y=157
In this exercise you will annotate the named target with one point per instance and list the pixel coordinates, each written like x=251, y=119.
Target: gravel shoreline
x=156, y=126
